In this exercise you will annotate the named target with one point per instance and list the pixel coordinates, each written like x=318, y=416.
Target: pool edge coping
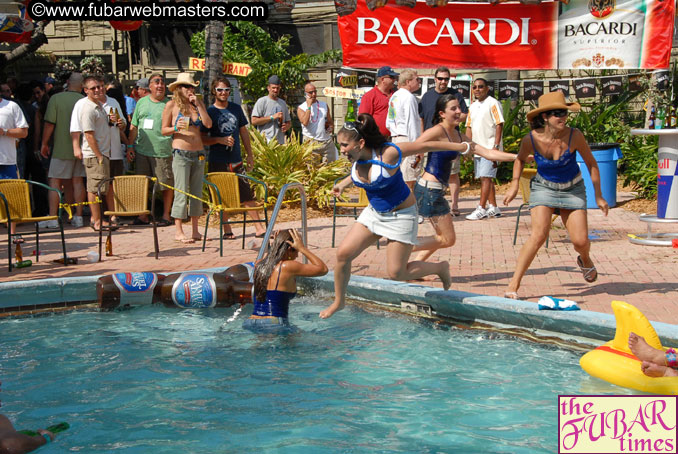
x=453, y=304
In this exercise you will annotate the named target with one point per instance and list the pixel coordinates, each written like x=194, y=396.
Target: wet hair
x=441, y=105
x=264, y=268
x=365, y=128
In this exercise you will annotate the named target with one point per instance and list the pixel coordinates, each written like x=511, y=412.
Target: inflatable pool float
x=614, y=362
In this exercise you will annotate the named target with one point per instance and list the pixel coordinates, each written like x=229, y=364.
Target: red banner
x=459, y=35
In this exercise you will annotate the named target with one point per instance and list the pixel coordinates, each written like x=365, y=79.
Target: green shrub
x=276, y=165
x=638, y=167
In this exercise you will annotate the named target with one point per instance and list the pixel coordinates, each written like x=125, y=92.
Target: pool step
x=417, y=308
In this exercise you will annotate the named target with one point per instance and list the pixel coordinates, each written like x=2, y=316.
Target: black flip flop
x=229, y=236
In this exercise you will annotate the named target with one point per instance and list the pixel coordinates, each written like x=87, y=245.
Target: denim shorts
x=431, y=202
x=268, y=325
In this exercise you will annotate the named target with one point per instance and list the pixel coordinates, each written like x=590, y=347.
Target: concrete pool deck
x=481, y=262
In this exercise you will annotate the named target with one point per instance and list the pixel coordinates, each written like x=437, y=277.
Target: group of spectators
x=92, y=131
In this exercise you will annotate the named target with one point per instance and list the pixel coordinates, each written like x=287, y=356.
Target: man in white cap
x=271, y=115
x=375, y=101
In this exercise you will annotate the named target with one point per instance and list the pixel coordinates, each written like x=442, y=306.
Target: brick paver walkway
x=482, y=261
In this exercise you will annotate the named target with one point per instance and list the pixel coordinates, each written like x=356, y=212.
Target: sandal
x=456, y=213
x=17, y=238
x=228, y=236
x=184, y=240
x=260, y=236
x=163, y=222
x=590, y=274
x=511, y=295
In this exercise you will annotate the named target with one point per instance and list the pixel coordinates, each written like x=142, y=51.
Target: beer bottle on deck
x=109, y=245
x=652, y=119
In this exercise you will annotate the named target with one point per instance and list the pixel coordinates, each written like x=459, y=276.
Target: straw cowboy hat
x=183, y=79
x=552, y=101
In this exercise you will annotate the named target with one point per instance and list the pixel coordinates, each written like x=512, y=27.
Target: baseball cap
x=386, y=71
x=274, y=80
x=50, y=80
x=142, y=83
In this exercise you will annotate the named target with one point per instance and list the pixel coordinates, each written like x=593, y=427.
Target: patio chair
x=225, y=192
x=130, y=198
x=16, y=207
x=354, y=205
x=524, y=183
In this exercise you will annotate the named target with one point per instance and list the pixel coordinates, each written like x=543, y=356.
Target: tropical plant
x=246, y=42
x=92, y=66
x=277, y=165
x=639, y=165
x=605, y=122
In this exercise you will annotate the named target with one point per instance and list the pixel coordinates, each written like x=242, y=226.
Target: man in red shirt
x=375, y=101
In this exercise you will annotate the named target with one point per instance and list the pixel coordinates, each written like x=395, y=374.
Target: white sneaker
x=493, y=211
x=77, y=221
x=478, y=213
x=53, y=224
x=421, y=219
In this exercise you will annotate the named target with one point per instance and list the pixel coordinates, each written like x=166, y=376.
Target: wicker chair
x=224, y=190
x=16, y=207
x=524, y=183
x=339, y=205
x=130, y=194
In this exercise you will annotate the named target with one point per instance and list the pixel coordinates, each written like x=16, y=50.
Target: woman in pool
x=655, y=362
x=557, y=185
x=392, y=211
x=182, y=118
x=430, y=189
x=275, y=280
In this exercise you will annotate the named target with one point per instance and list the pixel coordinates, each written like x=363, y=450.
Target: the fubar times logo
x=617, y=424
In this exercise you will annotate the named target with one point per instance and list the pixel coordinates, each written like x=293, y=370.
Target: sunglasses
x=560, y=113
x=157, y=81
x=446, y=79
x=352, y=126
x=479, y=87
x=222, y=90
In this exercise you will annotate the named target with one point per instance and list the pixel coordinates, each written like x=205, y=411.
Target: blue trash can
x=606, y=155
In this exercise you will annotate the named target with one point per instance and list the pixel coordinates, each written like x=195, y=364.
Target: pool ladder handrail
x=276, y=209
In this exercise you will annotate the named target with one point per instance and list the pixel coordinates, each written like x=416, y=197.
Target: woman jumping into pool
x=392, y=211
x=430, y=189
x=275, y=280
x=558, y=184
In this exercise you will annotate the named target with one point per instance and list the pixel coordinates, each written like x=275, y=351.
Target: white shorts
x=401, y=226
x=484, y=167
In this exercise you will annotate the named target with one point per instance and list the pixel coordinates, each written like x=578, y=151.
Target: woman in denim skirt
x=558, y=184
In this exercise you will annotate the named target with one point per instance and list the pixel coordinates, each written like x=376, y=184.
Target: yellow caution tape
x=68, y=206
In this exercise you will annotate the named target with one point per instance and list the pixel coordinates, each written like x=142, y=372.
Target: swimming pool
x=157, y=380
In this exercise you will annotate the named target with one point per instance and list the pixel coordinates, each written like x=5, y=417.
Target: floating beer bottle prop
x=194, y=289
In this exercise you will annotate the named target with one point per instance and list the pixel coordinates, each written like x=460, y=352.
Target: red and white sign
x=459, y=35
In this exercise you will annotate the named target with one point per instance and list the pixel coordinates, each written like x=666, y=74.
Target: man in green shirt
x=152, y=150
x=65, y=169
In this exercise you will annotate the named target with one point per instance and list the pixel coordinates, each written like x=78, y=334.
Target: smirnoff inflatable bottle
x=601, y=34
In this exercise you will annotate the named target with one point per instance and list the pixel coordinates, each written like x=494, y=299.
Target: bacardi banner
x=600, y=34
x=459, y=35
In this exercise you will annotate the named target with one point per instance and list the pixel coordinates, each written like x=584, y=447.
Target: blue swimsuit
x=561, y=170
x=277, y=302
x=385, y=192
x=439, y=163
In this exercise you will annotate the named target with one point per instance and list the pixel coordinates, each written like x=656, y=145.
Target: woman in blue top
x=275, y=280
x=557, y=185
x=430, y=188
x=392, y=211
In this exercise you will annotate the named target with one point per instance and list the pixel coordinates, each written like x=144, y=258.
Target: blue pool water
x=156, y=380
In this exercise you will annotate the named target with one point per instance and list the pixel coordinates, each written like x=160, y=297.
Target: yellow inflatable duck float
x=614, y=362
